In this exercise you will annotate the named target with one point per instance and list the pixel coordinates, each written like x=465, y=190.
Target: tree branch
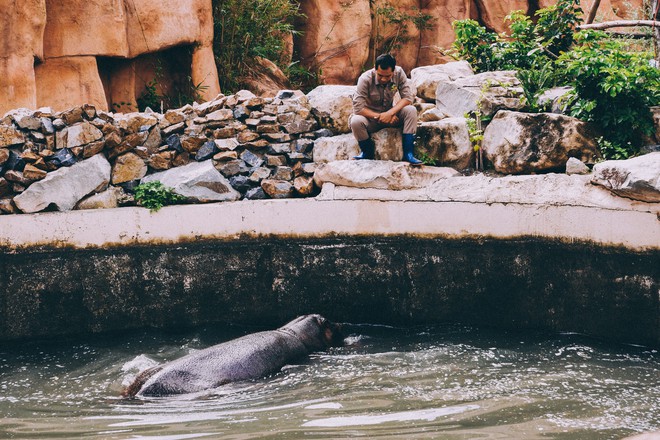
x=620, y=23
x=592, y=12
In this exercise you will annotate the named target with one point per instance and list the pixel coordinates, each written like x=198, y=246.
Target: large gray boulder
x=426, y=78
x=488, y=92
x=344, y=147
x=523, y=143
x=332, y=105
x=65, y=187
x=379, y=174
x=197, y=182
x=637, y=178
x=447, y=141
x=329, y=149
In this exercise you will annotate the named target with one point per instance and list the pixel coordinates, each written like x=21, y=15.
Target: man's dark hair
x=385, y=61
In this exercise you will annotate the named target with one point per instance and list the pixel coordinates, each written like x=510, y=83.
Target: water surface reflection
x=449, y=382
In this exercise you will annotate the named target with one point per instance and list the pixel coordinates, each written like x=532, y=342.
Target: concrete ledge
x=314, y=218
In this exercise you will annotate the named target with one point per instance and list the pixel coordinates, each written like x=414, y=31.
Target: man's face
x=384, y=75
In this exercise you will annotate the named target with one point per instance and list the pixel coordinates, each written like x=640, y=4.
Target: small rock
x=206, y=151
x=576, y=166
x=17, y=177
x=323, y=132
x=89, y=111
x=90, y=150
x=128, y=167
x=72, y=116
x=268, y=129
x=226, y=144
x=309, y=168
x=62, y=158
x=275, y=160
x=192, y=144
x=251, y=158
x=161, y=161
x=240, y=112
x=82, y=134
x=224, y=132
x=280, y=148
x=283, y=173
x=7, y=206
x=277, y=189
x=104, y=200
x=260, y=173
x=278, y=137
x=256, y=194
x=181, y=159
x=303, y=145
x=176, y=128
x=220, y=115
x=258, y=144
x=47, y=126
x=232, y=168
x=304, y=185
x=4, y=187
x=10, y=136
x=224, y=156
x=247, y=136
x=33, y=173
x=174, y=142
x=240, y=183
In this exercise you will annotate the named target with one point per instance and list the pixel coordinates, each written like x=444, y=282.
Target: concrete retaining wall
x=581, y=269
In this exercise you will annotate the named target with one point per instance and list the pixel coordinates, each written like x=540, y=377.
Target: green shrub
x=154, y=195
x=527, y=45
x=613, y=88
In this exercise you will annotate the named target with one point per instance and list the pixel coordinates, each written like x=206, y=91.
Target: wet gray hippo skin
x=248, y=357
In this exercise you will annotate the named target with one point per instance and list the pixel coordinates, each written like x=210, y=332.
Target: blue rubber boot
x=367, y=148
x=408, y=145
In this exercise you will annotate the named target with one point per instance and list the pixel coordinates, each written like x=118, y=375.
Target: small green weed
x=154, y=195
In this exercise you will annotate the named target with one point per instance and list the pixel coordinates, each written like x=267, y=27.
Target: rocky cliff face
x=344, y=44
x=62, y=53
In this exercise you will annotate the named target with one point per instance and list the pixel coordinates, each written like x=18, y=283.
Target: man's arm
x=407, y=97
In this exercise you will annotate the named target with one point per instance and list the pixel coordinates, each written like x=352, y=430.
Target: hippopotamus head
x=315, y=332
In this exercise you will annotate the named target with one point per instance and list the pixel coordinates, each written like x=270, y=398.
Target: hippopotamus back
x=248, y=357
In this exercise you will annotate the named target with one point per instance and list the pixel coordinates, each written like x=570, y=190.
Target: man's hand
x=388, y=118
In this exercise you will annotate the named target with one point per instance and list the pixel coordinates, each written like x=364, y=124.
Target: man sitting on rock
x=373, y=107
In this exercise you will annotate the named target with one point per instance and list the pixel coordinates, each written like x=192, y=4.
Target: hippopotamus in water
x=248, y=357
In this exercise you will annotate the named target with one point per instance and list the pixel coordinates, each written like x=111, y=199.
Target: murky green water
x=439, y=383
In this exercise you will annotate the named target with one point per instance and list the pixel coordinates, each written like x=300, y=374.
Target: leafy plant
x=536, y=81
x=154, y=195
x=613, y=88
x=301, y=77
x=527, y=45
x=613, y=151
x=150, y=97
x=246, y=29
x=474, y=44
x=426, y=158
